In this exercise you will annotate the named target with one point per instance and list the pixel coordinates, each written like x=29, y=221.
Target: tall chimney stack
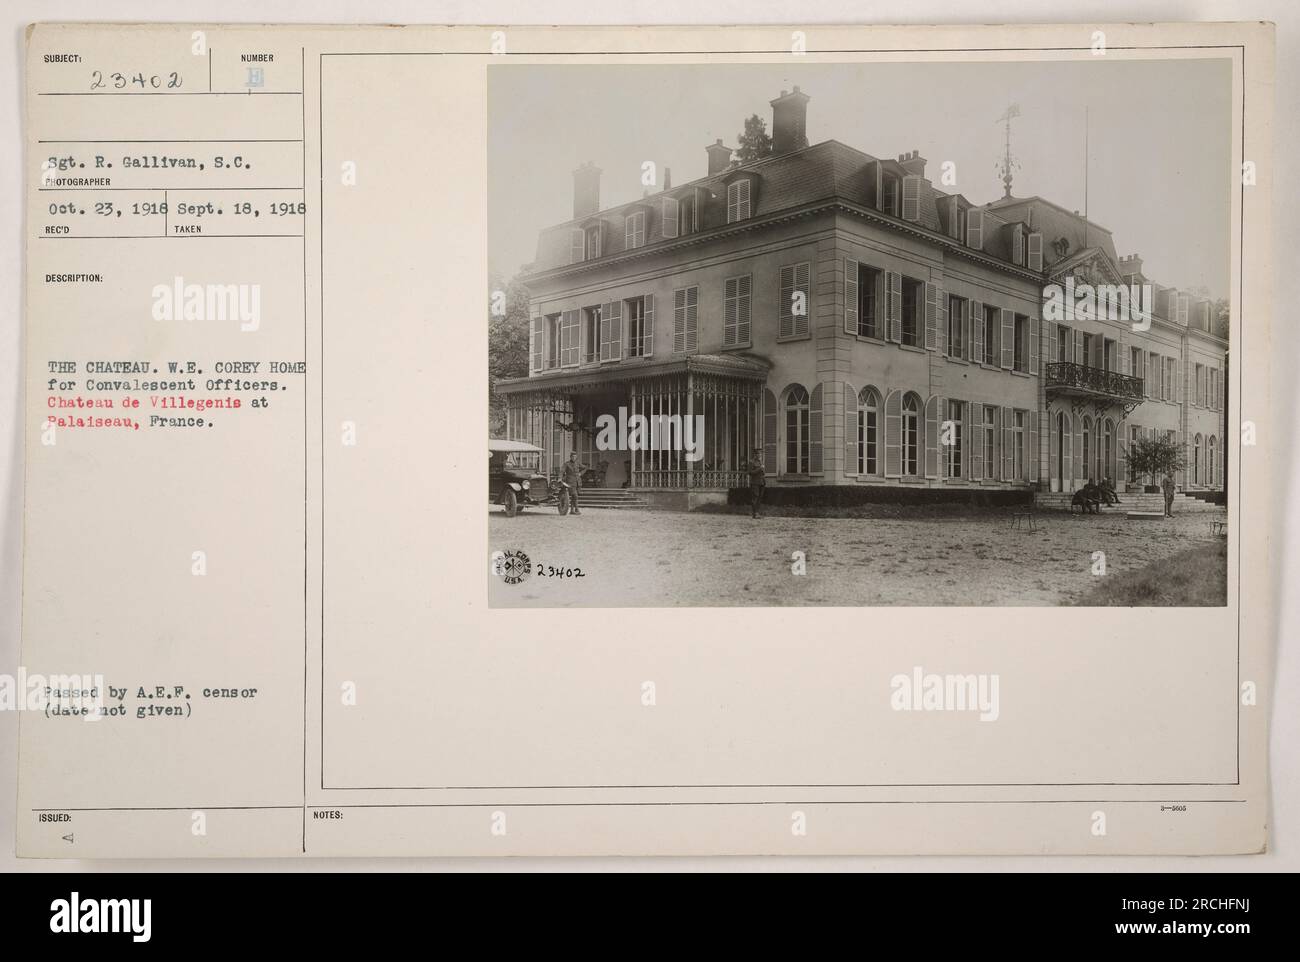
x=913, y=163
x=586, y=190
x=789, y=121
x=719, y=156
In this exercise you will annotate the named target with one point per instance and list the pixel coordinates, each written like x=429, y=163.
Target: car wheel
x=511, y=502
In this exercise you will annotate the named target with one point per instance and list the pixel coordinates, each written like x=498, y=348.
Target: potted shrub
x=1153, y=458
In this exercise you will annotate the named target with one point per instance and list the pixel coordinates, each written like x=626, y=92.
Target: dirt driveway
x=655, y=559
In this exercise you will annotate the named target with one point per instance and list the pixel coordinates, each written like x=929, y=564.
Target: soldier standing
x=757, y=481
x=571, y=475
x=1167, y=485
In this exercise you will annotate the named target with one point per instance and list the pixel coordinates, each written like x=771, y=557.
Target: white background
x=1284, y=845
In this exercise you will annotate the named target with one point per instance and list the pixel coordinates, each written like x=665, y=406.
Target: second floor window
x=639, y=327
x=735, y=315
x=992, y=332
x=553, y=340
x=1167, y=390
x=869, y=301
x=591, y=334
x=1064, y=343
x=956, y=326
x=634, y=230
x=737, y=201
x=913, y=303
x=1135, y=362
x=1020, y=356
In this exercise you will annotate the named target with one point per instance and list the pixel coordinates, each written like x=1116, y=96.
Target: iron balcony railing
x=1080, y=378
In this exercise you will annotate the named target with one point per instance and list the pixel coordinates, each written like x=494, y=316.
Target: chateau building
x=860, y=326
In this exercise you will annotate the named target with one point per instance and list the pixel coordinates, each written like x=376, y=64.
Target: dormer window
x=634, y=230
x=687, y=215
x=1018, y=245
x=592, y=238
x=889, y=194
x=958, y=222
x=738, y=200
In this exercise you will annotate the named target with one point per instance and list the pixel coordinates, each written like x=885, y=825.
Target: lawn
x=934, y=557
x=1195, y=577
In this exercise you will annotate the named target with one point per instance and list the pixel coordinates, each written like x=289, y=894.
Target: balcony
x=1084, y=383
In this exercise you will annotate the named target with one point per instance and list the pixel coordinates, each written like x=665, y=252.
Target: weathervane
x=1008, y=163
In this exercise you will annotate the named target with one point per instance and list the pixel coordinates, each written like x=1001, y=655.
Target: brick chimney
x=913, y=163
x=586, y=190
x=789, y=121
x=719, y=156
x=1130, y=265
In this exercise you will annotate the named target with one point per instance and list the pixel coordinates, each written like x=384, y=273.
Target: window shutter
x=1149, y=361
x=730, y=311
x=975, y=228
x=1008, y=444
x=577, y=246
x=894, y=283
x=894, y=434
x=692, y=318
x=569, y=330
x=815, y=431
x=1078, y=348
x=769, y=432
x=1050, y=333
x=1068, y=447
x=912, y=197
x=794, y=279
x=931, y=316
x=611, y=331
x=1034, y=342
x=742, y=309
x=850, y=294
x=1080, y=467
x=679, y=320
x=1031, y=446
x=1008, y=339
x=669, y=215
x=1018, y=245
x=535, y=348
x=1035, y=251
x=878, y=187
x=941, y=322
x=1053, y=455
x=648, y=326
x=976, y=311
x=994, y=469
x=932, y=422
x=850, y=429
x=975, y=439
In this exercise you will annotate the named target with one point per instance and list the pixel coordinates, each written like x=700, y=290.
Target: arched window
x=1213, y=476
x=1196, y=460
x=869, y=431
x=911, y=435
x=797, y=433
x=1087, y=449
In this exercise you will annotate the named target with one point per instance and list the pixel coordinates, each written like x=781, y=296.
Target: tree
x=507, y=344
x=755, y=144
x=1156, y=457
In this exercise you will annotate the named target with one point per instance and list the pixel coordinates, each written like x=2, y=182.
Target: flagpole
x=1085, y=176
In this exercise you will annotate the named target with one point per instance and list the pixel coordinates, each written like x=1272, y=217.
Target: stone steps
x=1129, y=501
x=618, y=499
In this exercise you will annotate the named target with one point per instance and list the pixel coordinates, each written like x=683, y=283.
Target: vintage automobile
x=515, y=480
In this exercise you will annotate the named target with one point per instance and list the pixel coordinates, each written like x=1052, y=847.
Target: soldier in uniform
x=1167, y=485
x=571, y=475
x=757, y=481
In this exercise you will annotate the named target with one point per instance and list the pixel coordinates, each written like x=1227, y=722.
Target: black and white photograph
x=860, y=334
